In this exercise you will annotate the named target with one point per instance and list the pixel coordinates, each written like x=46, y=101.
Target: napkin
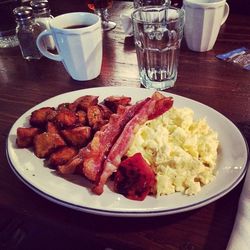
x=240, y=236
x=126, y=19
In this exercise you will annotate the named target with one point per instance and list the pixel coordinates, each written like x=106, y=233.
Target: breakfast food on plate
x=148, y=147
x=181, y=150
x=135, y=178
x=150, y=109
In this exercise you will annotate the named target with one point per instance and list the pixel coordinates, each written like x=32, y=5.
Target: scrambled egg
x=181, y=150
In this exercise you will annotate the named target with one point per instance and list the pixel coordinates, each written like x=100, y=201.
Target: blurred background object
x=239, y=6
x=236, y=6
x=7, y=23
x=101, y=8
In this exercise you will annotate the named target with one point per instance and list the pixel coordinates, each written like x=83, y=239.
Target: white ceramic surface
x=72, y=191
x=80, y=50
x=126, y=22
x=203, y=19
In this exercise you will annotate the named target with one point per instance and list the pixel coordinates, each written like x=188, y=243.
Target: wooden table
x=202, y=77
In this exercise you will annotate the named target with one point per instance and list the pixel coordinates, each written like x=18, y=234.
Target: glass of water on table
x=158, y=31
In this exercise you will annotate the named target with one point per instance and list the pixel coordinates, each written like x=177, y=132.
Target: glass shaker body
x=42, y=14
x=27, y=31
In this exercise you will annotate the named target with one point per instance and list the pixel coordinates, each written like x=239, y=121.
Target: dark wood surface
x=37, y=223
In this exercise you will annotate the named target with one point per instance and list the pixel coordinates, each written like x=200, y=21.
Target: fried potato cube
x=25, y=136
x=63, y=106
x=99, y=125
x=78, y=137
x=81, y=117
x=66, y=105
x=73, y=166
x=106, y=112
x=84, y=102
x=65, y=118
x=112, y=102
x=41, y=116
x=62, y=155
x=46, y=143
x=52, y=128
x=95, y=115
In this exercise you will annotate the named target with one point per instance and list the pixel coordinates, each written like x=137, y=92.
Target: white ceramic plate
x=73, y=191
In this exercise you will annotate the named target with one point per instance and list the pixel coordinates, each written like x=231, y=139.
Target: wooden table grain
x=29, y=221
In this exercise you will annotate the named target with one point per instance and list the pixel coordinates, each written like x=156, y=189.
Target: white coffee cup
x=203, y=19
x=78, y=39
x=126, y=22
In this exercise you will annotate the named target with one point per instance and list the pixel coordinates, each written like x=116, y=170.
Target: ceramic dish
x=73, y=191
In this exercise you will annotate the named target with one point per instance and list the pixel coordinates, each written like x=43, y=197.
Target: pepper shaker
x=27, y=31
x=42, y=14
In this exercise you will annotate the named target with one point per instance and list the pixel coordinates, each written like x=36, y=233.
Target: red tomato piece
x=135, y=179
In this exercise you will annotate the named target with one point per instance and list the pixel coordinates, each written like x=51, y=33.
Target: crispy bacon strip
x=103, y=140
x=151, y=109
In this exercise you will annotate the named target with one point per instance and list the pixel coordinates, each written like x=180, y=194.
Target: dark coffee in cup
x=77, y=26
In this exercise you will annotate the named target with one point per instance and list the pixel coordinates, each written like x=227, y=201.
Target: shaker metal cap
x=23, y=13
x=40, y=6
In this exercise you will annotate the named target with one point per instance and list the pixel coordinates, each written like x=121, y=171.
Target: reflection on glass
x=141, y=3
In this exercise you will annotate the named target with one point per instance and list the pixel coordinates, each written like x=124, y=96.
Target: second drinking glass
x=158, y=31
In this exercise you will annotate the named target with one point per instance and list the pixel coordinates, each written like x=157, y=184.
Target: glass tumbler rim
x=157, y=8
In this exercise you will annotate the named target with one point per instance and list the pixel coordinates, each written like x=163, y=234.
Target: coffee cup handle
x=43, y=49
x=226, y=13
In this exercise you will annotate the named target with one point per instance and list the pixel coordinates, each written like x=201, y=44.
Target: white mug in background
x=203, y=19
x=78, y=39
x=126, y=22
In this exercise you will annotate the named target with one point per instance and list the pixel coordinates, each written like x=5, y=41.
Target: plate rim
x=122, y=213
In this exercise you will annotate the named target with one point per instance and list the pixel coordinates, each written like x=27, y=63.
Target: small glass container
x=42, y=14
x=41, y=9
x=27, y=31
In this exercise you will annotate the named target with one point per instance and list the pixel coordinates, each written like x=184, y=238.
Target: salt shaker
x=27, y=31
x=42, y=14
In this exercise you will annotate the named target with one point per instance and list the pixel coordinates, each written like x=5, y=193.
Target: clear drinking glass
x=101, y=7
x=158, y=31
